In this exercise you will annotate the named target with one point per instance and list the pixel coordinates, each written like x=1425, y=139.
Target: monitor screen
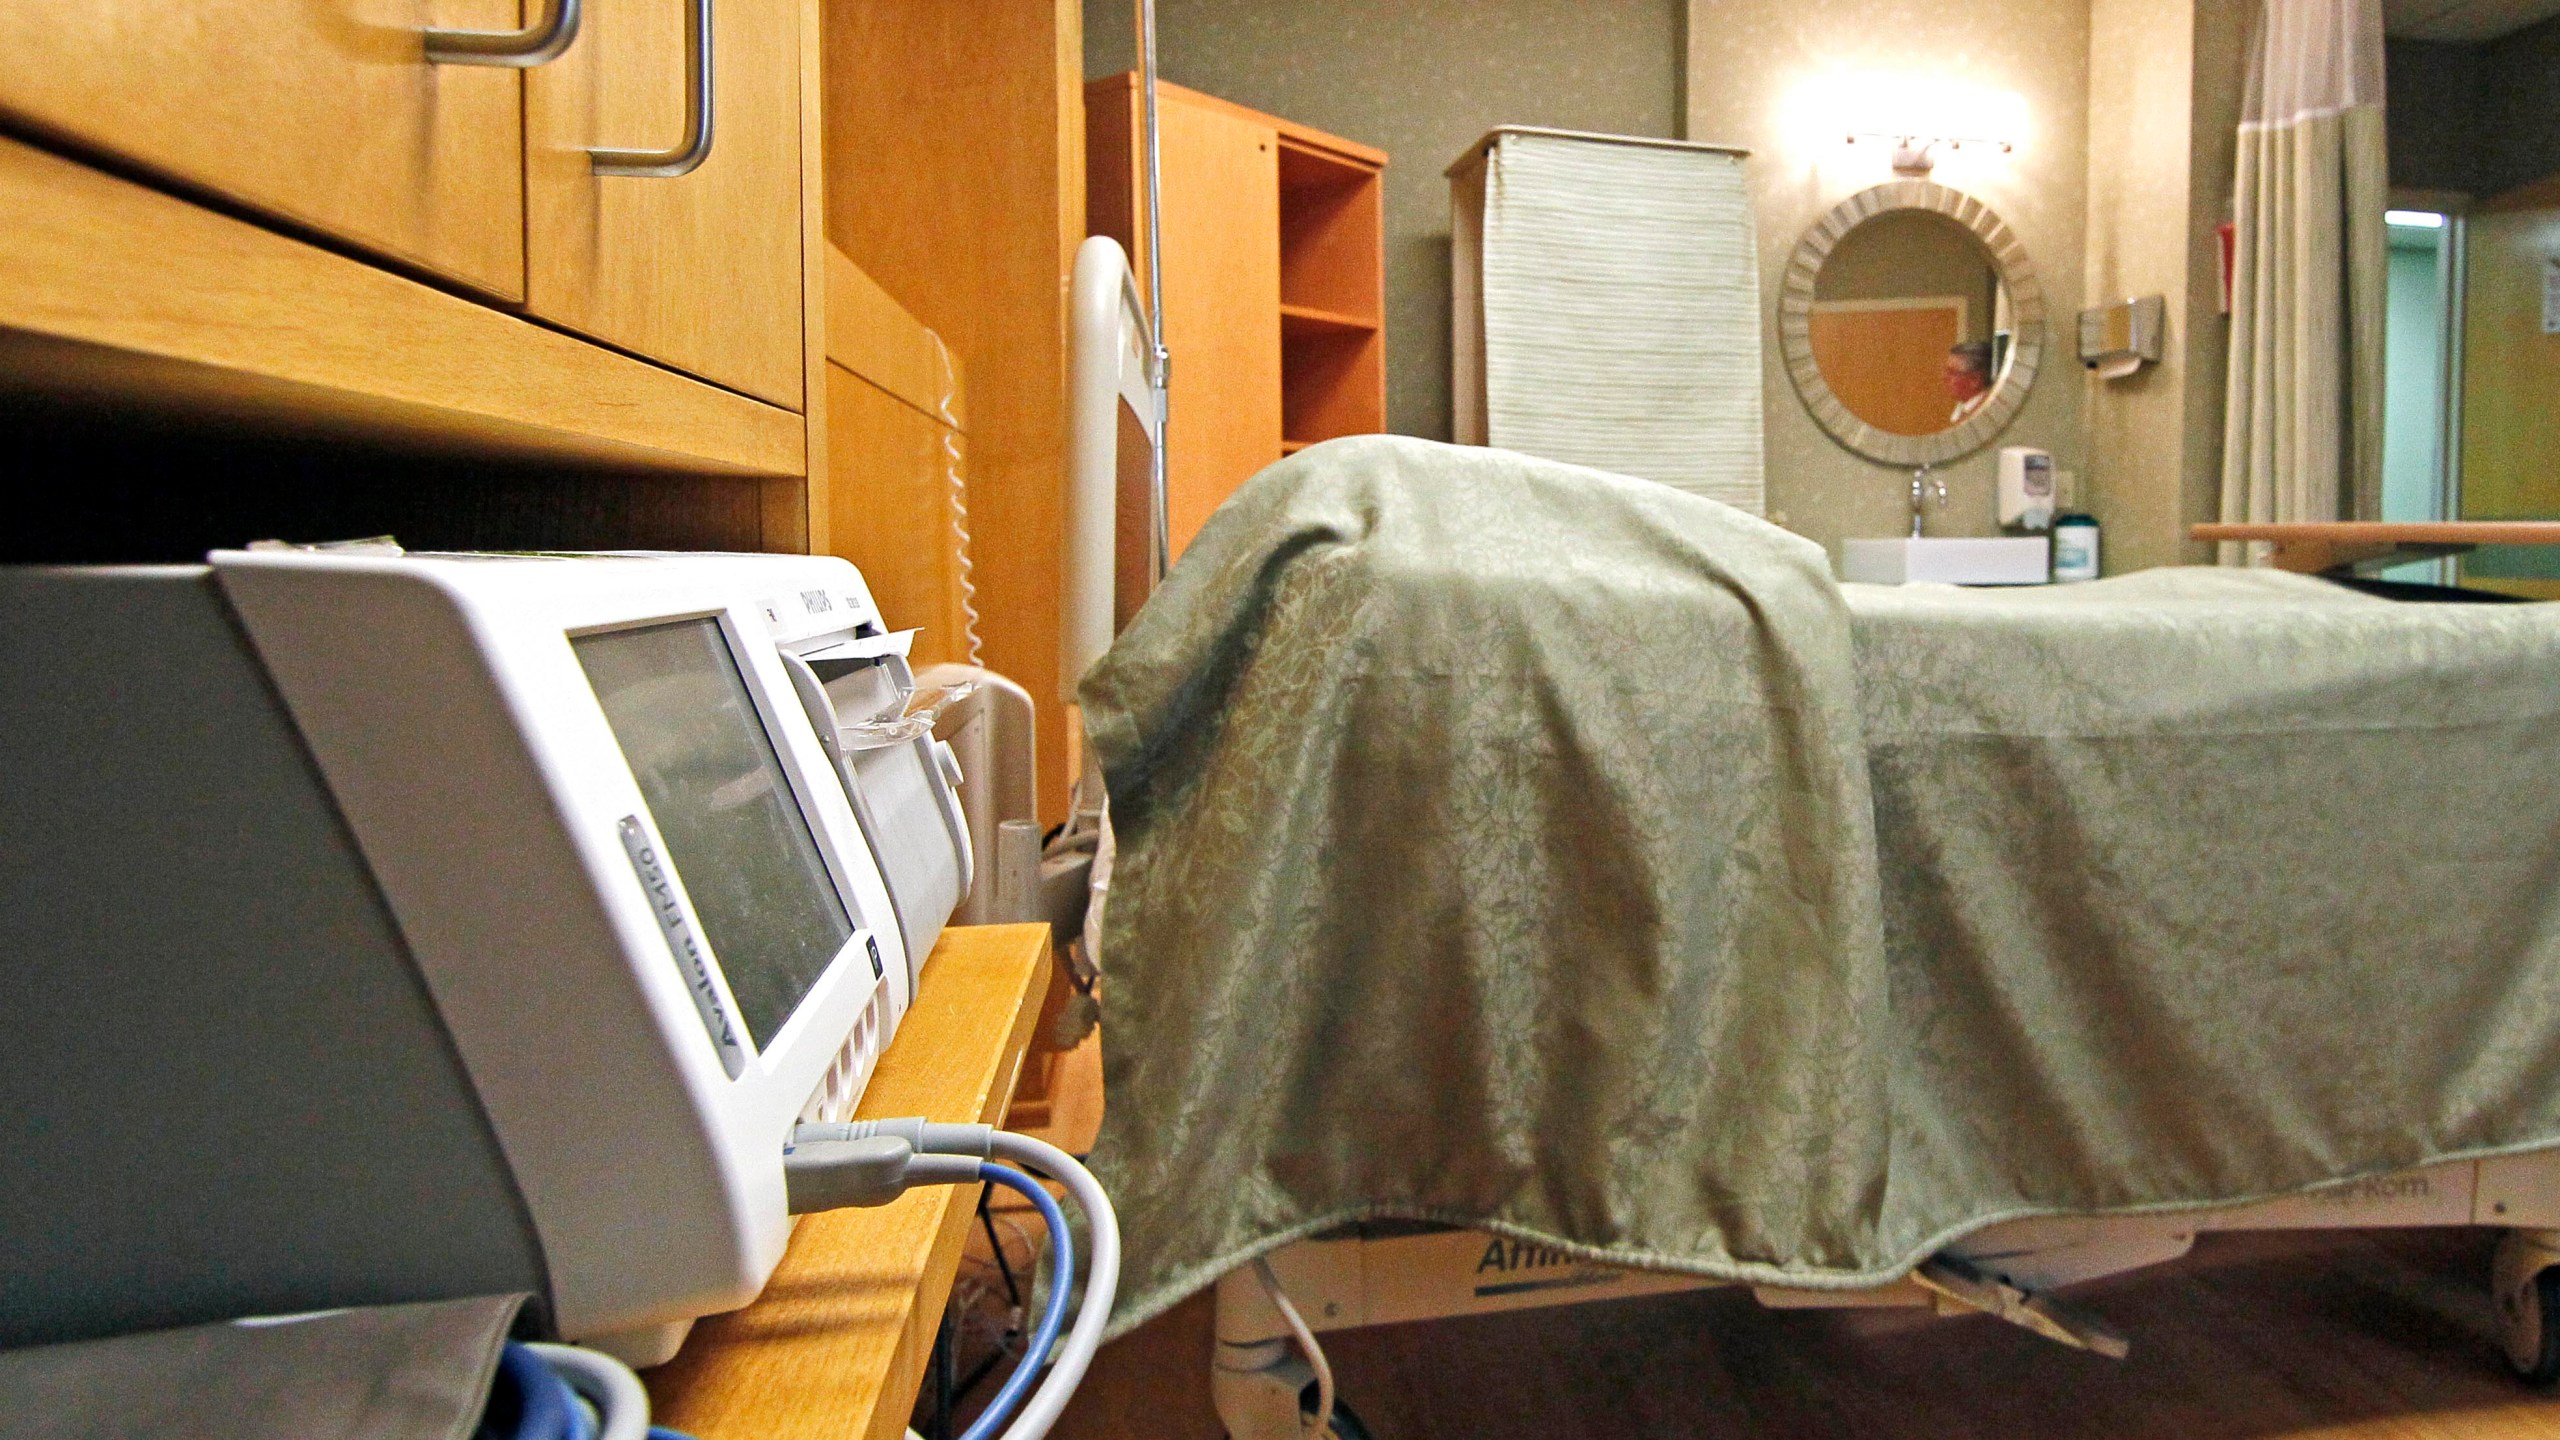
x=733, y=829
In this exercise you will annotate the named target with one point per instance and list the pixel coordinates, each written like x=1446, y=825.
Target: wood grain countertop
x=2315, y=545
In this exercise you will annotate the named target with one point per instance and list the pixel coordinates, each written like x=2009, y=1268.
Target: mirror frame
x=2026, y=306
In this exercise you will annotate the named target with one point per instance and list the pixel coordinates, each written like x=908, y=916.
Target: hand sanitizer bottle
x=2075, y=546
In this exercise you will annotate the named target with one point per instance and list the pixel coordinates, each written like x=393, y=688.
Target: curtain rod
x=1485, y=141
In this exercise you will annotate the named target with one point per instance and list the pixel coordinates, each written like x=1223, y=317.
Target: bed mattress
x=1519, y=846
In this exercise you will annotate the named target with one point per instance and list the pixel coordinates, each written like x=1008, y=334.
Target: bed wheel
x=2529, y=1322
x=1346, y=1424
x=2526, y=1286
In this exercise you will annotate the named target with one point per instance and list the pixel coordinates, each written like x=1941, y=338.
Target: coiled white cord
x=956, y=487
x=1101, y=1286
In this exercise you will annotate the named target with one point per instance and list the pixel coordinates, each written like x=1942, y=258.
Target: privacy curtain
x=2302, y=435
x=1616, y=290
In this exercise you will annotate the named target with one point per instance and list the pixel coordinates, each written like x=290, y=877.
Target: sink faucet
x=1921, y=481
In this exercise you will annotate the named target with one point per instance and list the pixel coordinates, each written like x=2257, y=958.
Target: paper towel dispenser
x=2118, y=339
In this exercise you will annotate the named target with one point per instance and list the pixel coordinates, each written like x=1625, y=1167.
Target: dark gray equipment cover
x=390, y=1372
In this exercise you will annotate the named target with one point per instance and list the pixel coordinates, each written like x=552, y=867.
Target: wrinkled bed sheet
x=1521, y=846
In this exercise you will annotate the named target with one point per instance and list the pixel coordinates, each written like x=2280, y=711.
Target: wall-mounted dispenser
x=2025, y=490
x=2118, y=339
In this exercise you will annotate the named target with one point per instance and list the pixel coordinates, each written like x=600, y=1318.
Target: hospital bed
x=2019, y=1270
x=1268, y=1373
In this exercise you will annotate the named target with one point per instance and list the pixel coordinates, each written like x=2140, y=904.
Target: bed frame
x=1385, y=1273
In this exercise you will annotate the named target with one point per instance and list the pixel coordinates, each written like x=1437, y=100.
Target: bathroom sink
x=1951, y=560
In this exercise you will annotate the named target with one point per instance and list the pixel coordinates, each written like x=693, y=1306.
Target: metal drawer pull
x=538, y=44
x=695, y=148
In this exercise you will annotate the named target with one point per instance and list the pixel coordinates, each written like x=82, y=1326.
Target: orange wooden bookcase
x=1274, y=279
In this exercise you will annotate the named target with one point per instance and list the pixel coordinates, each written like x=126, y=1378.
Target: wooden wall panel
x=955, y=178
x=2510, y=372
x=889, y=499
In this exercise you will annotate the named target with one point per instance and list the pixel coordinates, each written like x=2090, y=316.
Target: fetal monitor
x=392, y=927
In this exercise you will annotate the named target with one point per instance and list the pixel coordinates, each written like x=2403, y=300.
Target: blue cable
x=1053, y=1317
x=547, y=1406
x=545, y=1410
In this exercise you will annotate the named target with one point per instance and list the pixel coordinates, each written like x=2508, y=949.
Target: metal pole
x=1161, y=379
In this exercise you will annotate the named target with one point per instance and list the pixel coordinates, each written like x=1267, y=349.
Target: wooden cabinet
x=199, y=232
x=327, y=115
x=1274, y=280
x=701, y=271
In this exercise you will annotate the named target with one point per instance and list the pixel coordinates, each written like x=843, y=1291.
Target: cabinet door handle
x=537, y=44
x=695, y=147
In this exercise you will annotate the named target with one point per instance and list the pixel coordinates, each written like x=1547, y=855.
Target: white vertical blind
x=1619, y=286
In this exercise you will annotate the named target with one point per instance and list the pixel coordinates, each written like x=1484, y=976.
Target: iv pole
x=1160, y=371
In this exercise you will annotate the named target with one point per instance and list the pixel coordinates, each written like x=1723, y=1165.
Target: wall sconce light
x=1915, y=154
x=1919, y=118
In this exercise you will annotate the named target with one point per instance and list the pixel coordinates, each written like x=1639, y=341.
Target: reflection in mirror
x=1911, y=325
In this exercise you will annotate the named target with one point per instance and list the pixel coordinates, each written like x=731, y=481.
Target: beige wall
x=1420, y=79
x=2164, y=102
x=1749, y=63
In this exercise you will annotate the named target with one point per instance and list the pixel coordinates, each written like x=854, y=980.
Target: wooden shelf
x=1312, y=160
x=1332, y=251
x=1332, y=383
x=837, y=1345
x=1333, y=378
x=118, y=291
x=1303, y=320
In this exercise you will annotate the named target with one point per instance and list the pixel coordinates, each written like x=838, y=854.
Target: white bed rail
x=1113, y=431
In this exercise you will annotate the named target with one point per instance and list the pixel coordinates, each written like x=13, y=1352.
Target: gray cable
x=824, y=1172
x=622, y=1405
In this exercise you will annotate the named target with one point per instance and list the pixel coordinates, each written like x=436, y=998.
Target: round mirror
x=1911, y=323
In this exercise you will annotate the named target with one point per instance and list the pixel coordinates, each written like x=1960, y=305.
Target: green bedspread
x=1521, y=846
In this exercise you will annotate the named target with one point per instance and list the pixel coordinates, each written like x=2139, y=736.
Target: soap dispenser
x=2026, y=490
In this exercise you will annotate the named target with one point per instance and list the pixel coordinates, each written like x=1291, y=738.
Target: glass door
x=2424, y=300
